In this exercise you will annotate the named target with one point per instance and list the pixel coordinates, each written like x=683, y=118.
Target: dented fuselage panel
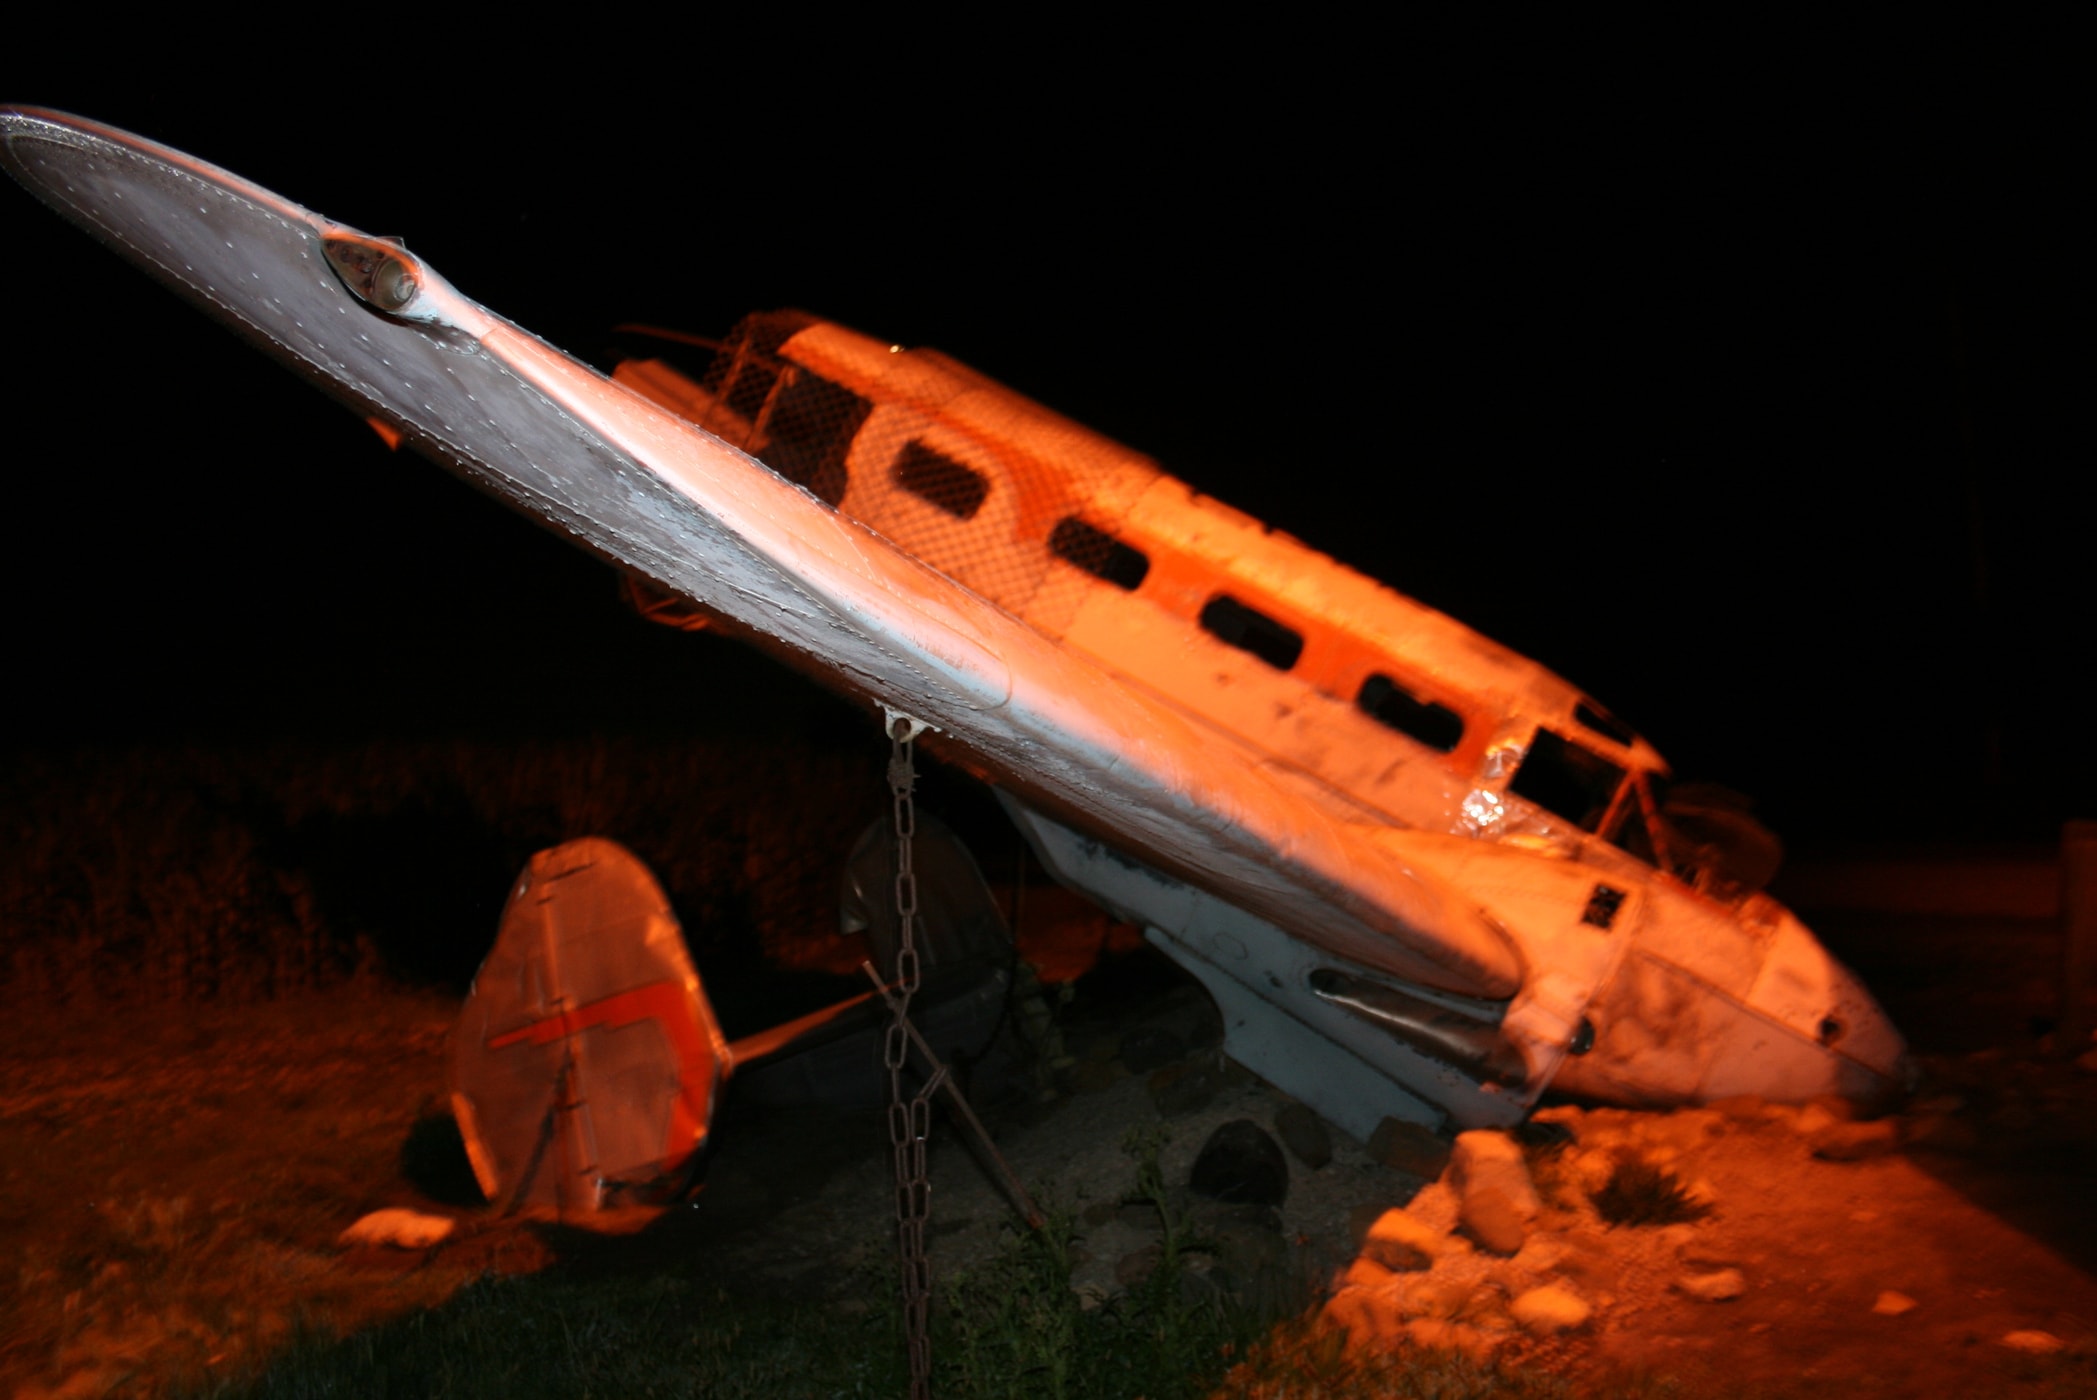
x=1423, y=875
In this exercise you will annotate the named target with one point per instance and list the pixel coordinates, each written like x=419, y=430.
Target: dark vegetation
x=180, y=874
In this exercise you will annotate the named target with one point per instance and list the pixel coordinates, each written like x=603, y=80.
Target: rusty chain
x=909, y=1117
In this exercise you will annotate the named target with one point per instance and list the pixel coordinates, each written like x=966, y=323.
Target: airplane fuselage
x=1422, y=875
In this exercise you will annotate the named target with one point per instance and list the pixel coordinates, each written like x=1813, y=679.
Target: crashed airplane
x=1422, y=876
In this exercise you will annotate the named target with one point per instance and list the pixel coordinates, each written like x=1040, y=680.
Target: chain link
x=909, y=1116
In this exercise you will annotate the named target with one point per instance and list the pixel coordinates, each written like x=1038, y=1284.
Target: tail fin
x=587, y=1061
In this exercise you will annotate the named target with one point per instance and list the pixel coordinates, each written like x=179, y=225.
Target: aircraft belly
x=1348, y=1068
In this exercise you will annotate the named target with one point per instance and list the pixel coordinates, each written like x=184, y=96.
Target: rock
x=1742, y=1108
x=1423, y=1295
x=1891, y=1304
x=1853, y=1142
x=1541, y=1253
x=1693, y=1127
x=1412, y=1148
x=1812, y=1119
x=1939, y=1132
x=2034, y=1343
x=1208, y=1217
x=1100, y=1212
x=1550, y=1310
x=1137, y=1265
x=1095, y=1076
x=1486, y=1160
x=1545, y=1134
x=1402, y=1243
x=1840, y=1109
x=1303, y=1133
x=1365, y=1273
x=1241, y=1161
x=1198, y=1290
x=1707, y=1258
x=1368, y=1316
x=1434, y=1333
x=1150, y=1047
x=1595, y=1270
x=1178, y=1090
x=1140, y=1215
x=403, y=1229
x=1720, y=1287
x=1490, y=1218
x=1246, y=1248
x=1101, y=1047
x=1591, y=1169
x=1486, y=1308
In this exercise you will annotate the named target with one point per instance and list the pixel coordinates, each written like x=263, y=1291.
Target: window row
x=1240, y=625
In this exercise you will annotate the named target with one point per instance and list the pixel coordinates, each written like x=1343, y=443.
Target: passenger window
x=1229, y=620
x=1567, y=780
x=1098, y=553
x=1387, y=702
x=935, y=477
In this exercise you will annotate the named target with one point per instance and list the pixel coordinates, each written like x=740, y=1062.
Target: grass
x=1013, y=1329
x=1640, y=1192
x=558, y=1336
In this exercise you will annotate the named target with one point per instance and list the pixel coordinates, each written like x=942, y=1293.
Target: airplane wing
x=374, y=326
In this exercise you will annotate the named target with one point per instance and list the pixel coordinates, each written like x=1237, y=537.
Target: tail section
x=587, y=1062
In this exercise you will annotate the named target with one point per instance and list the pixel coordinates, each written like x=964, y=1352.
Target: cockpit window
x=1567, y=780
x=1437, y=726
x=809, y=430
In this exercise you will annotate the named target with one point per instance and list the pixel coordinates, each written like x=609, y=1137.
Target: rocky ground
x=1948, y=1250
x=1739, y=1248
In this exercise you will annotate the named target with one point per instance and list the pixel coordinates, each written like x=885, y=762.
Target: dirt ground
x=1971, y=1208
x=172, y=1186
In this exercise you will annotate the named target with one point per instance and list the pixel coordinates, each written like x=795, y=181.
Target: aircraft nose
x=1803, y=987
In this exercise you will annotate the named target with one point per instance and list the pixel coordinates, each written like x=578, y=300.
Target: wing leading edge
x=375, y=327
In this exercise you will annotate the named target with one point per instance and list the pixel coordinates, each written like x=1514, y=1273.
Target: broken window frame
x=1550, y=769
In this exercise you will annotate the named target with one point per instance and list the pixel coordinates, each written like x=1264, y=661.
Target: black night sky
x=1736, y=392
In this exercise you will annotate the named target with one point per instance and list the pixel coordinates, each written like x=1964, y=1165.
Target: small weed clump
x=1641, y=1192
x=1016, y=1328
